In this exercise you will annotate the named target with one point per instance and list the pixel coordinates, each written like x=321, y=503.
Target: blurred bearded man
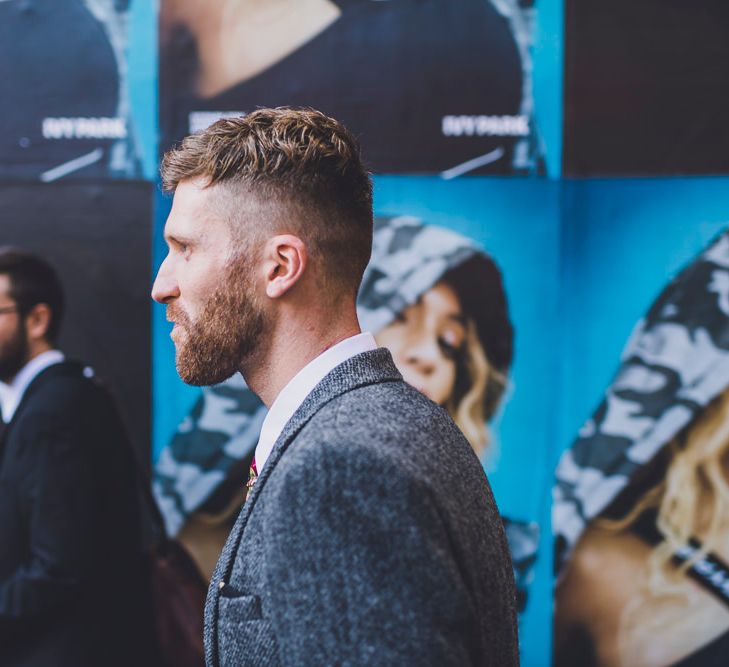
x=72, y=581
x=370, y=535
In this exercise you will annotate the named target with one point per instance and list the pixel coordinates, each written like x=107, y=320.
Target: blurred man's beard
x=224, y=335
x=13, y=354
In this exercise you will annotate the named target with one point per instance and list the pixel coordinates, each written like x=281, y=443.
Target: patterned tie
x=252, y=477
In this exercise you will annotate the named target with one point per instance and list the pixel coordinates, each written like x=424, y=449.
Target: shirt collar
x=301, y=385
x=11, y=394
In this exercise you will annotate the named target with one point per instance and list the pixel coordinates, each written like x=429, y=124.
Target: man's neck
x=289, y=350
x=37, y=348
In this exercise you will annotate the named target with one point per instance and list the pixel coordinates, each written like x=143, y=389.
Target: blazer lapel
x=362, y=369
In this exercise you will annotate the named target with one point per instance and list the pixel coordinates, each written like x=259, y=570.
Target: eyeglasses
x=9, y=309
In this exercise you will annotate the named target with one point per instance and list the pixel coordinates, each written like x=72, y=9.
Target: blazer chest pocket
x=235, y=605
x=244, y=635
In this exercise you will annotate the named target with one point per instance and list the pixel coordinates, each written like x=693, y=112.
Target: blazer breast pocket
x=245, y=637
x=238, y=606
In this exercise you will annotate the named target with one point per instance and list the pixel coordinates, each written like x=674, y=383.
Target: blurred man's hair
x=305, y=174
x=32, y=281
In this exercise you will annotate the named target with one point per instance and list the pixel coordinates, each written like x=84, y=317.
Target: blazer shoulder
x=389, y=423
x=62, y=393
x=394, y=411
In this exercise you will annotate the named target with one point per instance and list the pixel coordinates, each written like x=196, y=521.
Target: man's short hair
x=32, y=281
x=305, y=165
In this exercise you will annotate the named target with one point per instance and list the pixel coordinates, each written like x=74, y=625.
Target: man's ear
x=37, y=321
x=285, y=259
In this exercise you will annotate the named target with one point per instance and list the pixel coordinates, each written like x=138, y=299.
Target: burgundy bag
x=177, y=588
x=178, y=599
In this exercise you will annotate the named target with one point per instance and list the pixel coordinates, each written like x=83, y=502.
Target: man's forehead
x=198, y=208
x=193, y=213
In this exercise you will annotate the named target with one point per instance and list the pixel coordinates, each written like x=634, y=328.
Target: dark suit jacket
x=370, y=538
x=71, y=580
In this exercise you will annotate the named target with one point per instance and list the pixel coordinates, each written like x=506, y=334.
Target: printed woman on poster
x=64, y=89
x=429, y=86
x=641, y=504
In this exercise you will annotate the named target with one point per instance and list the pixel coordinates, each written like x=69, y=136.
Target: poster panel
x=98, y=239
x=483, y=249
x=430, y=86
x=640, y=514
x=646, y=87
x=63, y=85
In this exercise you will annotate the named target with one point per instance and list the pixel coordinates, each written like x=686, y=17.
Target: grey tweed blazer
x=370, y=538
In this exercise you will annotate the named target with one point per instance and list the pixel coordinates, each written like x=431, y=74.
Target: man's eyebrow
x=460, y=318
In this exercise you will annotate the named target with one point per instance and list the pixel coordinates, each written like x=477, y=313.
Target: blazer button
x=221, y=585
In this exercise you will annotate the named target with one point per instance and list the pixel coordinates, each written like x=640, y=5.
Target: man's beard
x=14, y=354
x=225, y=334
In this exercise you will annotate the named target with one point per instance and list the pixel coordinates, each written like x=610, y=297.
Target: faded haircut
x=302, y=168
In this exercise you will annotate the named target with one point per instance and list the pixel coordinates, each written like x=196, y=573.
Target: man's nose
x=165, y=286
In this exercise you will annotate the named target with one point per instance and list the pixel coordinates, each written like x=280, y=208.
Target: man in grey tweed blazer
x=369, y=535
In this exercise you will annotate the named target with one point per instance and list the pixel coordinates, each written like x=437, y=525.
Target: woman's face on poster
x=426, y=339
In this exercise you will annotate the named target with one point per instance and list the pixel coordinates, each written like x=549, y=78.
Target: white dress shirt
x=11, y=394
x=301, y=385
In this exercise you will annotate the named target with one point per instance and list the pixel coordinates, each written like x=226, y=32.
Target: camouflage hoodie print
x=214, y=443
x=675, y=363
